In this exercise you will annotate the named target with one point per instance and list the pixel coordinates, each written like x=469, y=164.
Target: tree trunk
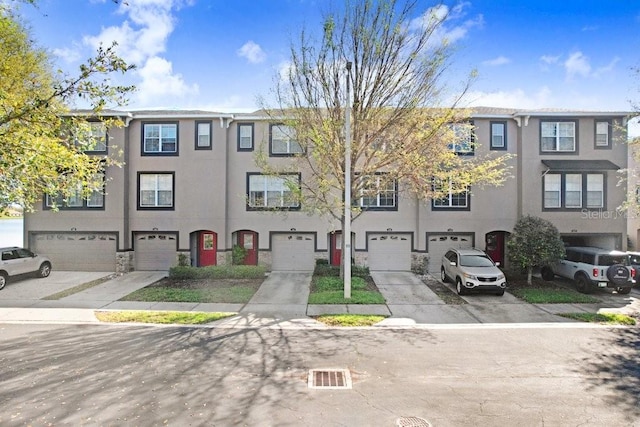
x=529, y=275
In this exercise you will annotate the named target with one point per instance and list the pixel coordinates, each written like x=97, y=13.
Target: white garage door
x=389, y=252
x=155, y=251
x=78, y=251
x=293, y=252
x=439, y=244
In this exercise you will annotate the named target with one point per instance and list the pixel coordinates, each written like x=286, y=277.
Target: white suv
x=17, y=261
x=472, y=269
x=593, y=268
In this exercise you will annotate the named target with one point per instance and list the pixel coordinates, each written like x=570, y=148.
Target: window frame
x=265, y=207
x=585, y=189
x=209, y=145
x=472, y=139
x=103, y=140
x=143, y=127
x=608, y=145
x=239, y=137
x=557, y=137
x=48, y=203
x=288, y=153
x=378, y=195
x=504, y=146
x=156, y=207
x=449, y=207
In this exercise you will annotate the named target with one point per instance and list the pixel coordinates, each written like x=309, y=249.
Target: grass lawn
x=545, y=292
x=606, y=318
x=232, y=291
x=162, y=317
x=330, y=290
x=349, y=320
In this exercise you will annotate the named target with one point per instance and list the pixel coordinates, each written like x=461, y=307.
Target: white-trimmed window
x=449, y=199
x=283, y=142
x=245, y=136
x=595, y=190
x=378, y=191
x=573, y=190
x=557, y=136
x=552, y=190
x=498, y=135
x=602, y=134
x=463, y=139
x=272, y=192
x=76, y=200
x=156, y=190
x=160, y=138
x=203, y=135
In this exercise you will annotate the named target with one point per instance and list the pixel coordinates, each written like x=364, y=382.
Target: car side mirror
x=497, y=264
x=453, y=263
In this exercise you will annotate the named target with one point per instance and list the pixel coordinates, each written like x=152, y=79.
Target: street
x=451, y=376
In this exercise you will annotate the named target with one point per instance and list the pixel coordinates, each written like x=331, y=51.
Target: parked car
x=472, y=269
x=16, y=261
x=634, y=259
x=591, y=268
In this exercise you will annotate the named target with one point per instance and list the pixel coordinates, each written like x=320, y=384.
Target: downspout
x=227, y=232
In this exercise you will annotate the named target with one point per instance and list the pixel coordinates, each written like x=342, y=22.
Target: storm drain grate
x=412, y=422
x=330, y=378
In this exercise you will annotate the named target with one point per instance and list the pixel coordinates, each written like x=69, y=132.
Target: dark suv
x=593, y=268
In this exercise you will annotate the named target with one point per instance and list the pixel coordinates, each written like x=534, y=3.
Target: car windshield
x=634, y=259
x=475, y=261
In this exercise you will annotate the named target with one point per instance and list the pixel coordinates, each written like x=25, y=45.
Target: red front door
x=336, y=248
x=249, y=241
x=495, y=246
x=207, y=244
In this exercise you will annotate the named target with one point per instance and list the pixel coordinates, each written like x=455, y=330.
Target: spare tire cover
x=618, y=274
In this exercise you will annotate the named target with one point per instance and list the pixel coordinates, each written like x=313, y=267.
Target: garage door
x=155, y=251
x=389, y=252
x=293, y=252
x=78, y=251
x=439, y=244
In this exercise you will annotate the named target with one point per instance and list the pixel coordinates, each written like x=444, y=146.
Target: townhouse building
x=190, y=189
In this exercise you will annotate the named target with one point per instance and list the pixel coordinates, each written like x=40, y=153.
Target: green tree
x=401, y=135
x=39, y=149
x=535, y=242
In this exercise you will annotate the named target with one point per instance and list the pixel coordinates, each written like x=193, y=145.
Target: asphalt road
x=451, y=376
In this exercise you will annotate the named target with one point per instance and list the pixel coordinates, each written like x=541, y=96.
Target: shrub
x=238, y=254
x=334, y=270
x=218, y=272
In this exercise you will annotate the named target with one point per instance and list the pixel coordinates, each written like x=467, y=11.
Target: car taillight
x=595, y=272
x=633, y=273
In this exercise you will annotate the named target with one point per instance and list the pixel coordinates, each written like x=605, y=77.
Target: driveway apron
x=283, y=294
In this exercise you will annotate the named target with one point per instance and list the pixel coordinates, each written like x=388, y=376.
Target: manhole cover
x=330, y=378
x=412, y=422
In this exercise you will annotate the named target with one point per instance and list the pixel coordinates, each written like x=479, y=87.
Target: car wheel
x=583, y=285
x=45, y=269
x=547, y=273
x=619, y=275
x=623, y=291
x=500, y=292
x=3, y=280
x=443, y=275
x=459, y=288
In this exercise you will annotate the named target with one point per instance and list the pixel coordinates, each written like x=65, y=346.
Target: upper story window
x=378, y=192
x=574, y=191
x=91, y=138
x=272, y=192
x=203, y=135
x=603, y=134
x=156, y=190
x=498, y=135
x=449, y=199
x=557, y=136
x=245, y=137
x=463, y=139
x=76, y=200
x=282, y=141
x=160, y=138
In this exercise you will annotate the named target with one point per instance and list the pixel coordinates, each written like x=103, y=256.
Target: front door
x=207, y=244
x=249, y=241
x=336, y=248
x=495, y=246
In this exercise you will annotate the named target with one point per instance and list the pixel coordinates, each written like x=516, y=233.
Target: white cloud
x=548, y=59
x=160, y=83
x=67, y=54
x=500, y=60
x=577, y=65
x=252, y=52
x=607, y=68
x=516, y=98
x=446, y=20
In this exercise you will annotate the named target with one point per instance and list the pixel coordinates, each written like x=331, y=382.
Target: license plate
x=602, y=284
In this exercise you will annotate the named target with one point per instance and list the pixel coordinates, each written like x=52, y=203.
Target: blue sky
x=220, y=55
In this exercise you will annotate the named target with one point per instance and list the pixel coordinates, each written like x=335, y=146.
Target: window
x=602, y=134
x=245, y=137
x=160, y=138
x=156, y=190
x=558, y=136
x=273, y=192
x=283, y=142
x=378, y=191
x=463, y=139
x=203, y=135
x=574, y=190
x=92, y=138
x=75, y=200
x=498, y=135
x=450, y=199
